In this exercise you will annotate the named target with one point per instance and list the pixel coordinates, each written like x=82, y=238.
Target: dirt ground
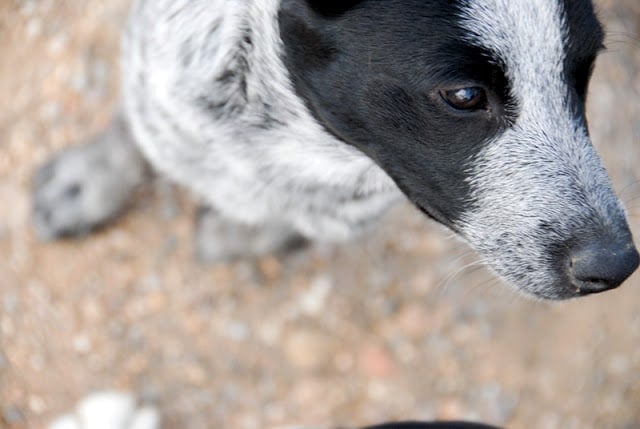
x=397, y=325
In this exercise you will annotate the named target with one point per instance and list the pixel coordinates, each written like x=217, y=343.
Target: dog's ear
x=332, y=8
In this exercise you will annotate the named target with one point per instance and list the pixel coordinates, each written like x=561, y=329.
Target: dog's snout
x=602, y=265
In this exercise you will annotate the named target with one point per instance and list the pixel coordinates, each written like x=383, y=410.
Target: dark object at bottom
x=440, y=425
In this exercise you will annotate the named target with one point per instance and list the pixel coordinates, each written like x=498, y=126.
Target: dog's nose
x=601, y=266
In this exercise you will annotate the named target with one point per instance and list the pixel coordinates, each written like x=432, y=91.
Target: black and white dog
x=309, y=118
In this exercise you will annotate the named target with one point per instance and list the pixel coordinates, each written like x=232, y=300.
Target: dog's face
x=476, y=108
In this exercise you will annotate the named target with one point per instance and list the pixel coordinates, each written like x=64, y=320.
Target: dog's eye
x=471, y=99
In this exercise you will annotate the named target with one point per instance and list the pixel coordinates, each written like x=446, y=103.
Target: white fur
x=544, y=169
x=293, y=171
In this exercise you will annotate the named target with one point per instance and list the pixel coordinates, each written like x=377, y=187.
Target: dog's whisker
x=622, y=36
x=633, y=186
x=630, y=202
x=469, y=268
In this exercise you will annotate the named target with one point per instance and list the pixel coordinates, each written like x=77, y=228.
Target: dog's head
x=476, y=108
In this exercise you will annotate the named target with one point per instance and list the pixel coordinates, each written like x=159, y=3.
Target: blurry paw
x=219, y=239
x=67, y=200
x=109, y=410
x=84, y=186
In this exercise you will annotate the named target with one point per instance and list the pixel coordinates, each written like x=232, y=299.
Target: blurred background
x=397, y=325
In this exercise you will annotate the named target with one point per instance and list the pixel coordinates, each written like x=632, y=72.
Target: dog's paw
x=70, y=196
x=109, y=410
x=85, y=186
x=220, y=240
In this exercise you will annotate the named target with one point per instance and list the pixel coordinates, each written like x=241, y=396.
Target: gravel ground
x=402, y=324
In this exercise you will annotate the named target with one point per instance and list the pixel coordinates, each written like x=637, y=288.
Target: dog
x=307, y=119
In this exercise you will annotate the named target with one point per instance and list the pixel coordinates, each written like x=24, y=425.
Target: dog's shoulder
x=212, y=105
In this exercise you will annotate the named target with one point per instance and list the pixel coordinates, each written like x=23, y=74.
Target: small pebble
x=376, y=361
x=451, y=409
x=414, y=321
x=7, y=327
x=146, y=418
x=269, y=333
x=314, y=300
x=36, y=362
x=618, y=365
x=13, y=416
x=92, y=310
x=37, y=404
x=68, y=421
x=106, y=410
x=237, y=331
x=309, y=349
x=82, y=343
x=10, y=302
x=195, y=375
x=4, y=361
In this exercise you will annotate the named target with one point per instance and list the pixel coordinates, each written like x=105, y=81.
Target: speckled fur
x=212, y=107
x=211, y=104
x=541, y=180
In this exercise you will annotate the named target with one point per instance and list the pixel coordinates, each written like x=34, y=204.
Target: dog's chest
x=211, y=105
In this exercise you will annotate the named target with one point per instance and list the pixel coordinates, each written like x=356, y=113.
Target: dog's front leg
x=219, y=239
x=87, y=185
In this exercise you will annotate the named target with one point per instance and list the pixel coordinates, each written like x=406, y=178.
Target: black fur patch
x=371, y=75
x=585, y=41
